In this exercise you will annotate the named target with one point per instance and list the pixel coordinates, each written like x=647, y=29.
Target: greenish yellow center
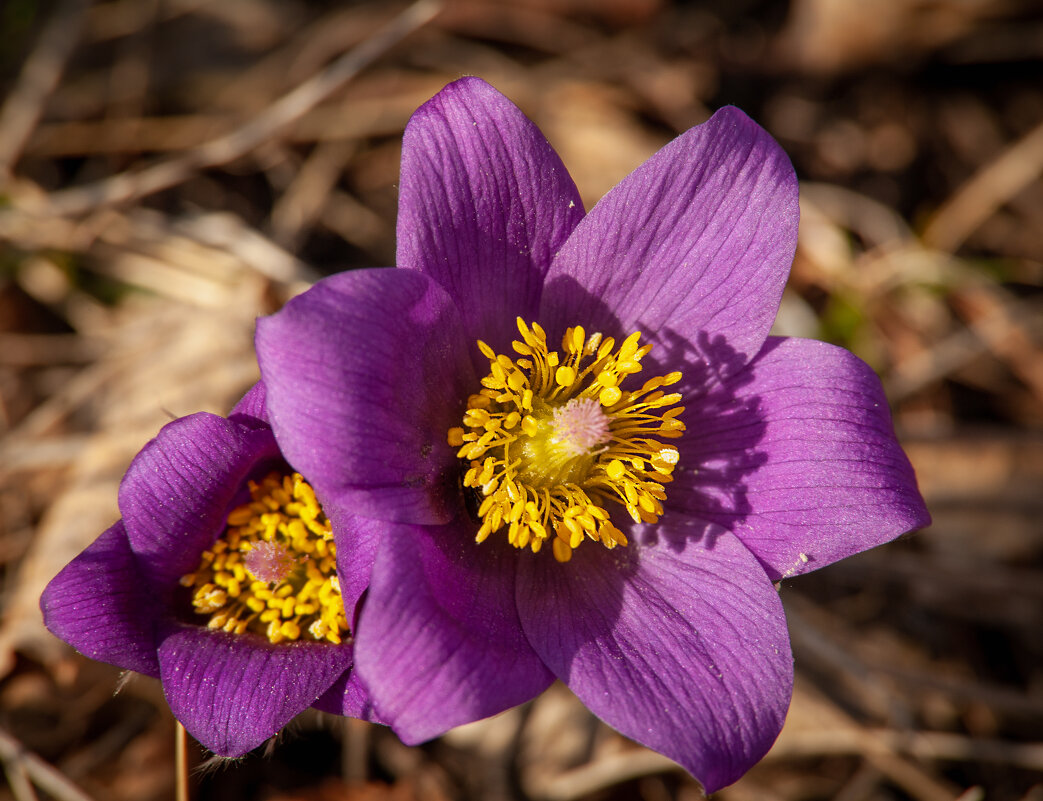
x=274, y=569
x=551, y=439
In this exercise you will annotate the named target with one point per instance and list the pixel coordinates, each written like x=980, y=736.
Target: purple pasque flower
x=216, y=531
x=665, y=528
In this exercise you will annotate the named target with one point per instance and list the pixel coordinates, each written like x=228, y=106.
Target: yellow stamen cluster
x=274, y=569
x=551, y=439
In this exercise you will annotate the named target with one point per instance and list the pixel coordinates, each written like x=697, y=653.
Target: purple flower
x=665, y=527
x=220, y=581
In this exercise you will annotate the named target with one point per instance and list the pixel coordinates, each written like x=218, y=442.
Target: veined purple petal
x=695, y=245
x=808, y=471
x=681, y=646
x=176, y=493
x=365, y=373
x=439, y=642
x=357, y=539
x=484, y=204
x=349, y=697
x=252, y=404
x=100, y=604
x=234, y=692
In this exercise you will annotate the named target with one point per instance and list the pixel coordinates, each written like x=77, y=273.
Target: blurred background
x=170, y=169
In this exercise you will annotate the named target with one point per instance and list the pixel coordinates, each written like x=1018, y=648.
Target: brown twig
x=129, y=186
x=17, y=760
x=999, y=323
x=38, y=79
x=180, y=763
x=920, y=744
x=27, y=350
x=987, y=190
x=605, y=773
x=18, y=779
x=304, y=199
x=883, y=749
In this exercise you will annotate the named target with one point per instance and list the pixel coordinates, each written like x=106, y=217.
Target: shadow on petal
x=720, y=449
x=805, y=434
x=709, y=482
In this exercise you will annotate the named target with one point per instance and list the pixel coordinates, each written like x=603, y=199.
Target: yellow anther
x=476, y=417
x=290, y=630
x=575, y=538
x=629, y=347
x=578, y=335
x=610, y=396
x=565, y=376
x=240, y=516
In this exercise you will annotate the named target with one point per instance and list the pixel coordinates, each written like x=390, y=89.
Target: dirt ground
x=171, y=169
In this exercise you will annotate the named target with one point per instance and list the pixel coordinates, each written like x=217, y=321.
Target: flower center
x=552, y=439
x=274, y=569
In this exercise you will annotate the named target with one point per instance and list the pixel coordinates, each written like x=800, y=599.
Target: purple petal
x=484, y=204
x=177, y=491
x=802, y=464
x=439, y=643
x=365, y=373
x=695, y=244
x=357, y=539
x=252, y=405
x=100, y=605
x=234, y=692
x=682, y=647
x=350, y=698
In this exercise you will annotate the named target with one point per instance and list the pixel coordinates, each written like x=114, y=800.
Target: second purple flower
x=222, y=580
